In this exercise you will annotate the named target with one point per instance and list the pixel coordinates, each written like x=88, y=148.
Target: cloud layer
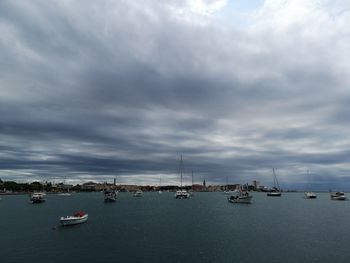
x=90, y=91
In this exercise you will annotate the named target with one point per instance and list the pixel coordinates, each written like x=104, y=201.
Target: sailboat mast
x=192, y=177
x=275, y=179
x=181, y=170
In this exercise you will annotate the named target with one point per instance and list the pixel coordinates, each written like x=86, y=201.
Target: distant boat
x=110, y=196
x=138, y=193
x=227, y=191
x=338, y=196
x=275, y=191
x=181, y=194
x=64, y=194
x=240, y=196
x=38, y=197
x=309, y=195
x=77, y=218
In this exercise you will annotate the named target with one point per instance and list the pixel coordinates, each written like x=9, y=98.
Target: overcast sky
x=91, y=90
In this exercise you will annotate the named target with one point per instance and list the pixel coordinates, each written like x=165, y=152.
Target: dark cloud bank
x=93, y=90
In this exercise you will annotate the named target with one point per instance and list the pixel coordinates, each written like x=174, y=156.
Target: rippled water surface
x=159, y=228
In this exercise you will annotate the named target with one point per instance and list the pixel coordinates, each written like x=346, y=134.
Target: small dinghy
x=76, y=218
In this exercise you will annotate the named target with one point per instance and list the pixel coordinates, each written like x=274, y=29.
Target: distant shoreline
x=27, y=193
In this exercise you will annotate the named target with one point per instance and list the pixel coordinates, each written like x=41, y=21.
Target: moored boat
x=181, y=194
x=64, y=194
x=76, y=218
x=138, y=193
x=276, y=190
x=310, y=195
x=38, y=197
x=242, y=197
x=338, y=196
x=110, y=196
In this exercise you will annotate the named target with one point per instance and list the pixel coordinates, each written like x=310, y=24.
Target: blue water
x=159, y=228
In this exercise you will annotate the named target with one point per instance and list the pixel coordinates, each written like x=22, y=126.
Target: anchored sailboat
x=309, y=195
x=181, y=194
x=276, y=190
x=110, y=194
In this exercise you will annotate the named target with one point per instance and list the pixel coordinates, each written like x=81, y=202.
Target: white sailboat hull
x=274, y=194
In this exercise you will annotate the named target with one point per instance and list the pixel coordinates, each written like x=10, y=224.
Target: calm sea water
x=159, y=228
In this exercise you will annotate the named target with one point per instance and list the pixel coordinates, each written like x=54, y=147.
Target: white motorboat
x=77, y=218
x=138, y=193
x=38, y=197
x=182, y=194
x=110, y=195
x=310, y=195
x=339, y=196
x=241, y=197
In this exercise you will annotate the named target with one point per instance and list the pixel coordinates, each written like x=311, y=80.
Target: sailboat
x=64, y=192
x=276, y=190
x=38, y=197
x=181, y=194
x=110, y=195
x=309, y=195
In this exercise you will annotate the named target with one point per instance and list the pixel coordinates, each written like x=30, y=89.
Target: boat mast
x=192, y=179
x=275, y=179
x=181, y=171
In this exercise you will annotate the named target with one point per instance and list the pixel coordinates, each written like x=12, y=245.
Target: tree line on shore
x=29, y=187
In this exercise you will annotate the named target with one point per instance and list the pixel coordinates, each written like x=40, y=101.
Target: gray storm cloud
x=94, y=90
